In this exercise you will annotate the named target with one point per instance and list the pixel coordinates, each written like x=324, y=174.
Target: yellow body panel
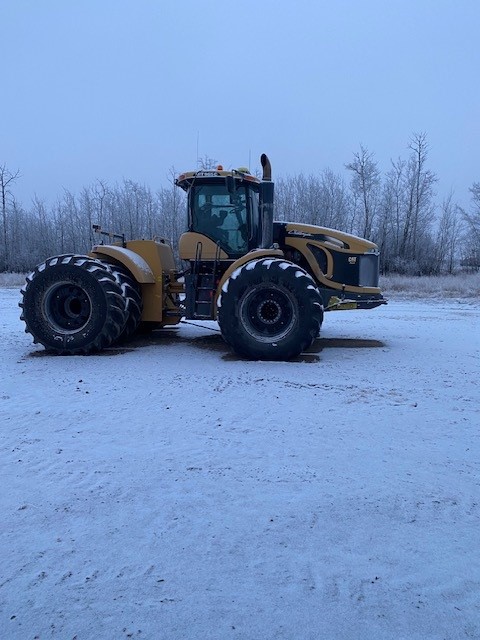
x=191, y=242
x=334, y=240
x=152, y=265
x=135, y=263
x=338, y=304
x=354, y=243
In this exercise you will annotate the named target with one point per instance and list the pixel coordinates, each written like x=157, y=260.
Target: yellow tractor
x=266, y=283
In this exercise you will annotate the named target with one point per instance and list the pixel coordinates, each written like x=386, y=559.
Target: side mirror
x=230, y=182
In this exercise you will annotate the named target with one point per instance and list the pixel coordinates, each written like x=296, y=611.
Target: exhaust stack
x=267, y=168
x=266, y=203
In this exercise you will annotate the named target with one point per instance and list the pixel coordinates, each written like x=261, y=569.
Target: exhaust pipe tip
x=267, y=168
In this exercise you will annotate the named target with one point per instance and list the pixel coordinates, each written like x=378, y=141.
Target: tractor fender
x=248, y=257
x=138, y=266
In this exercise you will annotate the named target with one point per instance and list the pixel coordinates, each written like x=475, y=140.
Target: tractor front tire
x=73, y=304
x=269, y=309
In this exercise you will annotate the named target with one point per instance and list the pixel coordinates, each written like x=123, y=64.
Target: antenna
x=198, y=138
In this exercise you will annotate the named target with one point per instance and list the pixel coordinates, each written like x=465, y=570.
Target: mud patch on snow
x=215, y=342
x=344, y=343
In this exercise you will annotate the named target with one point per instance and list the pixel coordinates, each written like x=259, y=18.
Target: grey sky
x=115, y=88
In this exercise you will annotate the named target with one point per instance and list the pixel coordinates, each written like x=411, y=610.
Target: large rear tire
x=73, y=304
x=270, y=309
x=133, y=301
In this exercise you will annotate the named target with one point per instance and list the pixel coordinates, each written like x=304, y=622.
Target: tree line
x=399, y=210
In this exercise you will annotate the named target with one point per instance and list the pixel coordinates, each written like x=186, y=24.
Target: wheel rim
x=67, y=307
x=268, y=313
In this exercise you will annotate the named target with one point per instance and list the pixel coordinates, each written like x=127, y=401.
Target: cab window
x=221, y=216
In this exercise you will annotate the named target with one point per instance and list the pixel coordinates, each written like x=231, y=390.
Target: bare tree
x=6, y=179
x=396, y=211
x=206, y=163
x=419, y=211
x=448, y=237
x=312, y=199
x=92, y=202
x=285, y=205
x=473, y=216
x=472, y=235
x=365, y=186
x=335, y=203
x=389, y=221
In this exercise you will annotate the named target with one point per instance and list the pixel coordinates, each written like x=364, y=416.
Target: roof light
x=219, y=168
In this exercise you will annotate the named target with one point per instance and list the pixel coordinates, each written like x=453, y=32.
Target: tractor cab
x=223, y=214
x=225, y=222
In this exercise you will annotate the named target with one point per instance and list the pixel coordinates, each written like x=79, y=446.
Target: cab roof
x=186, y=180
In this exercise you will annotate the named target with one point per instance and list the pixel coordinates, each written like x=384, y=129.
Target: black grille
x=368, y=270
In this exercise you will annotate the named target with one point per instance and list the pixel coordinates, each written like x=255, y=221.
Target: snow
x=170, y=490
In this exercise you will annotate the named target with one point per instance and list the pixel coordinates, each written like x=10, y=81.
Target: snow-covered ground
x=169, y=490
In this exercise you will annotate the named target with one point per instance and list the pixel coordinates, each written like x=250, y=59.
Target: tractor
x=266, y=283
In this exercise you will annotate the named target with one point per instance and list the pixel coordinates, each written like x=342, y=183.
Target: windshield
x=220, y=215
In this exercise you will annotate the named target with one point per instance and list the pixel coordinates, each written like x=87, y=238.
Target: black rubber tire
x=133, y=301
x=73, y=304
x=269, y=309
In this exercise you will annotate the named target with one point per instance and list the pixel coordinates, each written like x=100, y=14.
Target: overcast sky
x=117, y=89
